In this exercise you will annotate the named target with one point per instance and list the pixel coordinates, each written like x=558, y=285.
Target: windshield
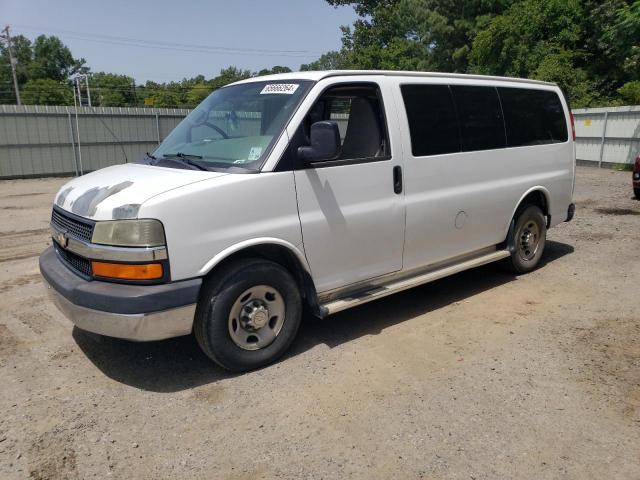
x=235, y=127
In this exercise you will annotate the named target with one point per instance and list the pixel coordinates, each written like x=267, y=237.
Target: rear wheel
x=248, y=314
x=530, y=235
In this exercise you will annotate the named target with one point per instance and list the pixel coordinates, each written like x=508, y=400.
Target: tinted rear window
x=533, y=117
x=481, y=124
x=432, y=119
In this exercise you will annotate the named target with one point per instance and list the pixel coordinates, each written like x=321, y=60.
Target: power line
x=184, y=47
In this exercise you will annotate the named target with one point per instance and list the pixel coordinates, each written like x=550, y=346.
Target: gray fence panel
x=608, y=136
x=43, y=141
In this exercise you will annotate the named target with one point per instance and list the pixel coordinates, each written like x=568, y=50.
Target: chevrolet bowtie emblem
x=61, y=238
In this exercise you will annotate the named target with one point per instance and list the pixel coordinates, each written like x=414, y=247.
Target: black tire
x=217, y=297
x=636, y=192
x=521, y=259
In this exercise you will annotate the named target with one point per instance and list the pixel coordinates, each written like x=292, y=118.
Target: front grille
x=75, y=262
x=74, y=227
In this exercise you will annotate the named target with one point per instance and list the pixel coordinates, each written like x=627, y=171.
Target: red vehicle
x=636, y=178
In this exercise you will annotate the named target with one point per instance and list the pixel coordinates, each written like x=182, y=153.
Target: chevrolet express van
x=317, y=190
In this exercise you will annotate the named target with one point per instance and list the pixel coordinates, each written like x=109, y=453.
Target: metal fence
x=609, y=136
x=38, y=141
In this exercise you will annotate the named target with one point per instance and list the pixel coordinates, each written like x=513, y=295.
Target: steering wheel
x=217, y=129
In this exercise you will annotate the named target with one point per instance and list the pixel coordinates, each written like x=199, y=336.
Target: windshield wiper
x=188, y=159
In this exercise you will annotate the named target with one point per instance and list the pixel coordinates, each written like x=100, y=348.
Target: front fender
x=254, y=242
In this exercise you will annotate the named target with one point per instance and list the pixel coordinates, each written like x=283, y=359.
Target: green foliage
x=189, y=92
x=44, y=58
x=52, y=59
x=229, y=75
x=333, y=60
x=589, y=47
x=274, y=70
x=198, y=93
x=45, y=91
x=415, y=34
x=45, y=68
x=540, y=40
x=630, y=92
x=111, y=90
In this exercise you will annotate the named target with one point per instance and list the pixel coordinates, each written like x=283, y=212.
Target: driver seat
x=363, y=138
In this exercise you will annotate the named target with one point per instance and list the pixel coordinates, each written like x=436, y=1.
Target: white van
x=319, y=189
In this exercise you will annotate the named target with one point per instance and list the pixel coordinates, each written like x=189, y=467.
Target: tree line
x=591, y=48
x=45, y=68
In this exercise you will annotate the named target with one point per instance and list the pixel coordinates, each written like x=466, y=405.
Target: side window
x=481, y=123
x=532, y=117
x=433, y=125
x=339, y=111
x=358, y=111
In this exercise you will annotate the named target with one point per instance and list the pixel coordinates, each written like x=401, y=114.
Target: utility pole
x=78, y=82
x=12, y=61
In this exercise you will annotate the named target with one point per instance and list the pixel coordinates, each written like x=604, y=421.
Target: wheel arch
x=276, y=250
x=538, y=196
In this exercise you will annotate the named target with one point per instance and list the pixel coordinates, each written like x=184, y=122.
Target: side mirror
x=325, y=143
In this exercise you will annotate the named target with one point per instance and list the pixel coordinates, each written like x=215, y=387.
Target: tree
x=52, y=59
x=630, y=92
x=334, y=60
x=415, y=34
x=22, y=53
x=198, y=93
x=229, y=75
x=44, y=58
x=591, y=48
x=45, y=91
x=570, y=42
x=167, y=95
x=273, y=70
x=619, y=41
x=111, y=90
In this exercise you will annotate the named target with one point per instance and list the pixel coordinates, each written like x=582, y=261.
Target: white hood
x=117, y=192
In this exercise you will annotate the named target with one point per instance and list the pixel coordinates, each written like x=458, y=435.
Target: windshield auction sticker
x=282, y=88
x=255, y=153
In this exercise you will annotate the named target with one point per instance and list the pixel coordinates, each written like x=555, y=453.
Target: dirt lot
x=479, y=376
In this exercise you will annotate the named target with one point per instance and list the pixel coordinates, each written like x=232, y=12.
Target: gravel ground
x=479, y=376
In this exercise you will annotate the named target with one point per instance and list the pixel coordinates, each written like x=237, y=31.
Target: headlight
x=129, y=233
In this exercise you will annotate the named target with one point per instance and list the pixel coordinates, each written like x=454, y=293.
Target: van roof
x=320, y=74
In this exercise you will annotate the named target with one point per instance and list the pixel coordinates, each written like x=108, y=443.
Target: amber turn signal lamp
x=124, y=271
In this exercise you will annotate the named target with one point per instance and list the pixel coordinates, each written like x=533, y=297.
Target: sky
x=169, y=40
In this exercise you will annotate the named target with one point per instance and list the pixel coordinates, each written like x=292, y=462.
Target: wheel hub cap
x=256, y=317
x=529, y=240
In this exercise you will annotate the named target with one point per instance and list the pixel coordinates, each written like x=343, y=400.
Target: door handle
x=397, y=179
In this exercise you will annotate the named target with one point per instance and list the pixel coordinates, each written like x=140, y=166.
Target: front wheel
x=248, y=314
x=636, y=192
x=530, y=235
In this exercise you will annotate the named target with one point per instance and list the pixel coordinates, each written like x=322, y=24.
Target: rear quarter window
x=532, y=117
x=433, y=125
x=481, y=124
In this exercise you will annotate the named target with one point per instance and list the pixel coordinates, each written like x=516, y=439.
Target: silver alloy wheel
x=529, y=240
x=256, y=317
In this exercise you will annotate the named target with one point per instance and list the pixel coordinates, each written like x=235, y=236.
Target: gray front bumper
x=140, y=327
x=132, y=312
